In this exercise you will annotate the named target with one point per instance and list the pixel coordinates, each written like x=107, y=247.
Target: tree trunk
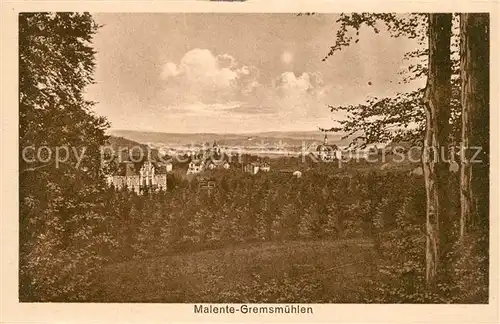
x=437, y=103
x=474, y=68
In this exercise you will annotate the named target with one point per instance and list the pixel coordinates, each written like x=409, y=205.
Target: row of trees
x=388, y=207
x=245, y=208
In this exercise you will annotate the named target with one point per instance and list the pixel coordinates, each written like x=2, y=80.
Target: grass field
x=313, y=271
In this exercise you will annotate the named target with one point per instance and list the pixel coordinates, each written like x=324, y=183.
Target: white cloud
x=200, y=66
x=169, y=70
x=226, y=60
x=204, y=84
x=202, y=76
x=289, y=82
x=300, y=96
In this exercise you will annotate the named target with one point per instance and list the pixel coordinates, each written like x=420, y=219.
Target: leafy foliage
x=72, y=226
x=62, y=229
x=400, y=118
x=386, y=208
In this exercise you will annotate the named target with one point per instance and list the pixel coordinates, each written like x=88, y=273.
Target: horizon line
x=221, y=133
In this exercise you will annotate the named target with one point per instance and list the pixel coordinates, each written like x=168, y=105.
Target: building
x=288, y=172
x=265, y=167
x=195, y=167
x=207, y=158
x=216, y=149
x=169, y=167
x=328, y=152
x=211, y=165
x=206, y=183
x=252, y=168
x=218, y=164
x=140, y=177
x=207, y=152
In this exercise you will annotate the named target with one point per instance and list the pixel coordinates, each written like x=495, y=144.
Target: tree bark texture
x=437, y=103
x=474, y=69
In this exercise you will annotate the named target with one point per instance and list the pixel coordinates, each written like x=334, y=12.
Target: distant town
x=149, y=174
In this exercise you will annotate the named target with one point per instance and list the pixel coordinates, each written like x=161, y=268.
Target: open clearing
x=297, y=271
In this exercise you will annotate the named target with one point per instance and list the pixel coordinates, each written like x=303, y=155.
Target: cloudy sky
x=189, y=73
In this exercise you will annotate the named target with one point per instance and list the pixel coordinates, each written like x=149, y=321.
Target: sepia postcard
x=249, y=161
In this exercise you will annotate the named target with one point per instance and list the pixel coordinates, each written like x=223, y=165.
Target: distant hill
x=120, y=144
x=117, y=142
x=287, y=139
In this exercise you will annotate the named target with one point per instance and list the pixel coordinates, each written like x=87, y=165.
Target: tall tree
x=435, y=115
x=61, y=204
x=474, y=66
x=437, y=103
